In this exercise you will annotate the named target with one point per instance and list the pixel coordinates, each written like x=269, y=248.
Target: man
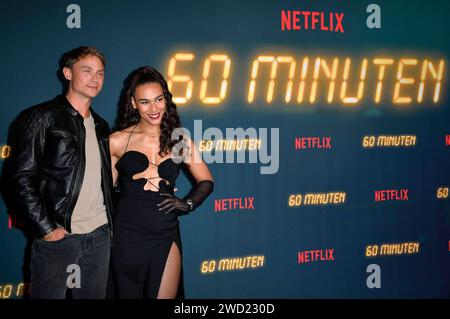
x=61, y=171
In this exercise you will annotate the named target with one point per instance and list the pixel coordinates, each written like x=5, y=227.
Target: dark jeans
x=54, y=265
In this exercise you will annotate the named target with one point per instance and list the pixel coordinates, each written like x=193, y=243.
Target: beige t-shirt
x=90, y=211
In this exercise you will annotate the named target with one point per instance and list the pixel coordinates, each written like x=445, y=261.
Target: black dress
x=143, y=236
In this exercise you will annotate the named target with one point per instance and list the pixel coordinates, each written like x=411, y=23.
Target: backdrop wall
x=346, y=195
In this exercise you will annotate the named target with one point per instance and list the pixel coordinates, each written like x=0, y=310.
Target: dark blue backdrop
x=134, y=33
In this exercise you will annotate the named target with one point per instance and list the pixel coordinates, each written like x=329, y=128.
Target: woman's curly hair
x=128, y=116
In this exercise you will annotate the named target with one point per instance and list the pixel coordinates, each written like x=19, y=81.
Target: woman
x=146, y=255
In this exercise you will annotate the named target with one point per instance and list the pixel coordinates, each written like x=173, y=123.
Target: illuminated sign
x=235, y=263
x=408, y=248
x=5, y=151
x=442, y=192
x=389, y=141
x=337, y=79
x=230, y=145
x=13, y=291
x=317, y=199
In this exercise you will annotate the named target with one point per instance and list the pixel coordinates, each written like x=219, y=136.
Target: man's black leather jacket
x=47, y=163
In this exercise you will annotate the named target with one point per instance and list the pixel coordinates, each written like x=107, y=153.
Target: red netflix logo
x=15, y=222
x=298, y=20
x=391, y=194
x=447, y=140
x=312, y=142
x=236, y=203
x=307, y=256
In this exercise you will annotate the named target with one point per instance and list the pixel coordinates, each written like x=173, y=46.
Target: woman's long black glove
x=190, y=202
x=173, y=203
